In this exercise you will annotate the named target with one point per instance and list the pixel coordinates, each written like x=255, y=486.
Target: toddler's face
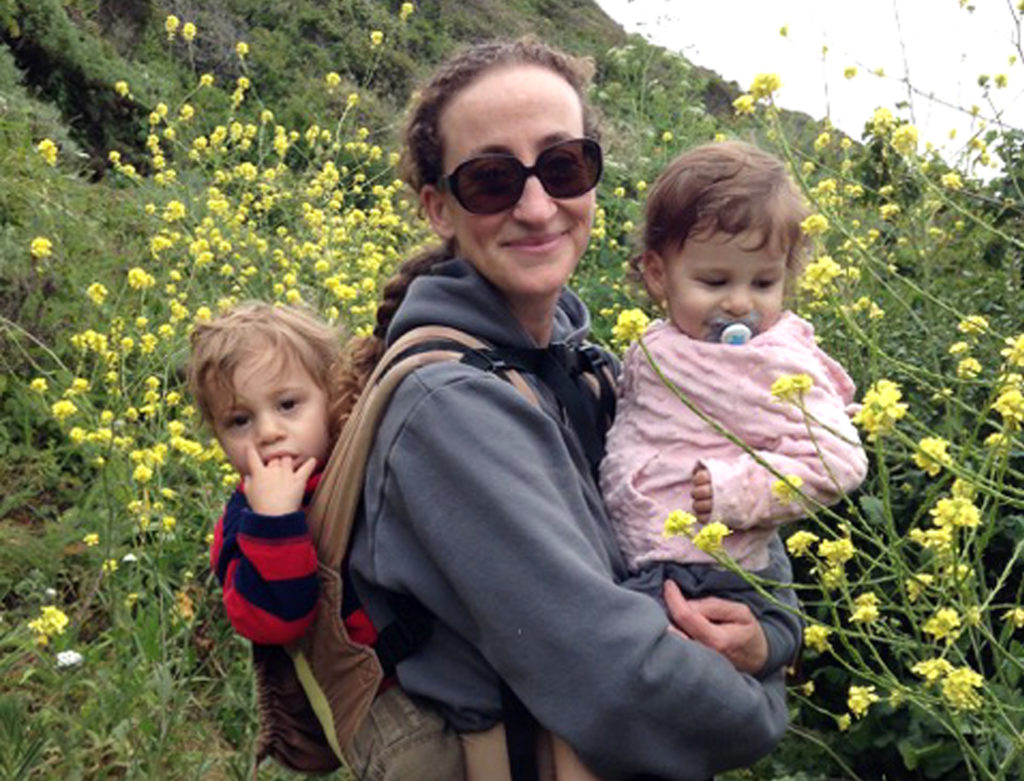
x=278, y=409
x=718, y=277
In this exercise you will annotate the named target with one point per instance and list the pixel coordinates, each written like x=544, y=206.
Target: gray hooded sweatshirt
x=482, y=507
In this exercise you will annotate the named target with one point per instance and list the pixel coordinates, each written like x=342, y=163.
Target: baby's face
x=719, y=277
x=278, y=409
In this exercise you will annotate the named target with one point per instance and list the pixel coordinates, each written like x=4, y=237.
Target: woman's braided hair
x=422, y=164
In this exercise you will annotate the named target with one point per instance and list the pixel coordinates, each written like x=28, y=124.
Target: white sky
x=942, y=47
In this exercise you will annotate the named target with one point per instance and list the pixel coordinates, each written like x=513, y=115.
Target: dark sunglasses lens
x=488, y=185
x=570, y=169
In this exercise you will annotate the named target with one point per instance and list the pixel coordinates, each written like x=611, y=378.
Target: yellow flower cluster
x=48, y=151
x=791, y=387
x=944, y=625
x=860, y=698
x=764, y=86
x=865, y=608
x=709, y=539
x=787, y=491
x=678, y=523
x=881, y=408
x=41, y=247
x=629, y=326
x=52, y=621
x=904, y=139
x=816, y=637
x=814, y=225
x=932, y=454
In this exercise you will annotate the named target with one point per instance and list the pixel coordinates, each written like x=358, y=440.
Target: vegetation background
x=160, y=159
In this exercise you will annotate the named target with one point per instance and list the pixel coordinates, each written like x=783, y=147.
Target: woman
x=484, y=508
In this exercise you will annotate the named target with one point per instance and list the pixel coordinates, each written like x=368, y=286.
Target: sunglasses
x=492, y=183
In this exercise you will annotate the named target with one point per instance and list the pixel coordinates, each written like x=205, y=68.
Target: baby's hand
x=700, y=492
x=276, y=488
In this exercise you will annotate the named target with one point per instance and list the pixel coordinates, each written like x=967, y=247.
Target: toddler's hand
x=276, y=488
x=700, y=492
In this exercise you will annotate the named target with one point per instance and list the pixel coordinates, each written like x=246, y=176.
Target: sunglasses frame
x=450, y=182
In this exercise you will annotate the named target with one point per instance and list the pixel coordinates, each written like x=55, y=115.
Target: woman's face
x=530, y=249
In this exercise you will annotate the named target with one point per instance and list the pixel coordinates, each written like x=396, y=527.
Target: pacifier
x=731, y=330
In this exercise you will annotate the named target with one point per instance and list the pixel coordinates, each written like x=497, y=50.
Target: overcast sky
x=941, y=46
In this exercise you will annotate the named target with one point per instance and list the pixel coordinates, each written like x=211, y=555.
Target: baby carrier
x=313, y=695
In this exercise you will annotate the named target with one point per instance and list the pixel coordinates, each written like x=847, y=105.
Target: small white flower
x=129, y=558
x=50, y=593
x=69, y=659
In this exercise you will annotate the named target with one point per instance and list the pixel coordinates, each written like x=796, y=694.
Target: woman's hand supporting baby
x=722, y=625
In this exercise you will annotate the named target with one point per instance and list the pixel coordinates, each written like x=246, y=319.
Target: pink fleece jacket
x=656, y=441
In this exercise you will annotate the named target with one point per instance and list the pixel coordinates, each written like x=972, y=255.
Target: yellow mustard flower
x=122, y=89
x=787, y=490
x=405, y=11
x=974, y=325
x=91, y=540
x=951, y=180
x=850, y=72
x=816, y=637
x=709, y=539
x=957, y=511
x=1014, y=351
x=40, y=247
x=882, y=121
x=629, y=326
x=837, y=552
x=904, y=139
x=791, y=387
x=814, y=225
x=678, y=522
x=51, y=621
x=944, y=625
x=39, y=385
x=744, y=104
x=139, y=279
x=860, y=698
x=1015, y=616
x=242, y=49
x=881, y=408
x=799, y=543
x=48, y=151
x=63, y=409
x=865, y=608
x=188, y=32
x=968, y=368
x=1010, y=404
x=764, y=85
x=932, y=454
x=932, y=670
x=376, y=38
x=171, y=24
x=960, y=688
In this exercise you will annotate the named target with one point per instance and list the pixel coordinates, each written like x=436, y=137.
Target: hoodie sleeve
x=484, y=488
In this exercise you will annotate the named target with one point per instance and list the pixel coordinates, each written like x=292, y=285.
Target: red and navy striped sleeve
x=267, y=568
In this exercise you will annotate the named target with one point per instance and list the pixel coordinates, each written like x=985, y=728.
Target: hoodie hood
x=455, y=295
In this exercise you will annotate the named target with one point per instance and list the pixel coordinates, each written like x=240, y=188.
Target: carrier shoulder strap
x=337, y=497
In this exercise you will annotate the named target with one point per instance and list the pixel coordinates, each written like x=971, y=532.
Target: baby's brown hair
x=728, y=187
x=257, y=328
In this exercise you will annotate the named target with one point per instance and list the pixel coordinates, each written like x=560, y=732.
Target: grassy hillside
x=150, y=176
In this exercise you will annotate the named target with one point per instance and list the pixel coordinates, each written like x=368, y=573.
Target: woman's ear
x=438, y=210
x=653, y=268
